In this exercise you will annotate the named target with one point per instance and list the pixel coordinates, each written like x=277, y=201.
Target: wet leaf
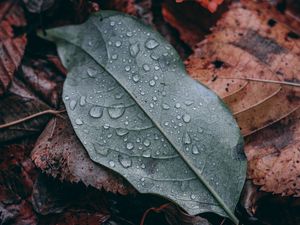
x=59, y=152
x=136, y=111
x=11, y=47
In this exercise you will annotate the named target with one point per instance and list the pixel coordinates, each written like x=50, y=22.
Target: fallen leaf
x=17, y=173
x=129, y=122
x=18, y=103
x=11, y=47
x=59, y=152
x=44, y=80
x=191, y=20
x=249, y=46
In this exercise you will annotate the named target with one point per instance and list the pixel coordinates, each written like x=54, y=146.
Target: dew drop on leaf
x=91, y=72
x=146, y=67
x=111, y=163
x=73, y=104
x=151, y=44
x=186, y=139
x=96, y=112
x=129, y=146
x=125, y=161
x=118, y=43
x=186, y=118
x=152, y=83
x=121, y=131
x=147, y=153
x=100, y=149
x=82, y=100
x=116, y=111
x=195, y=150
x=127, y=68
x=136, y=78
x=134, y=49
x=78, y=121
x=147, y=143
x=165, y=106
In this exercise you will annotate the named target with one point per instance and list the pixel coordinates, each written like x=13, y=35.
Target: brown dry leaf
x=17, y=103
x=247, y=43
x=59, y=152
x=11, y=47
x=274, y=157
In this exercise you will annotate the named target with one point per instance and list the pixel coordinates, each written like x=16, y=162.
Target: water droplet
x=151, y=105
x=165, y=106
x=186, y=139
x=82, y=100
x=147, y=143
x=125, y=161
x=154, y=98
x=91, y=72
x=118, y=43
x=146, y=67
x=96, y=112
x=195, y=150
x=156, y=67
x=186, y=118
x=151, y=83
x=121, y=131
x=136, y=78
x=101, y=149
x=143, y=166
x=127, y=68
x=116, y=111
x=134, y=49
x=112, y=23
x=177, y=105
x=111, y=163
x=193, y=196
x=115, y=56
x=129, y=34
x=78, y=121
x=67, y=98
x=129, y=146
x=147, y=153
x=151, y=44
x=73, y=104
x=154, y=56
x=142, y=179
x=106, y=126
x=188, y=102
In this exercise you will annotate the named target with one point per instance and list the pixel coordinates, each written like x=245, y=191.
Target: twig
x=49, y=111
x=262, y=80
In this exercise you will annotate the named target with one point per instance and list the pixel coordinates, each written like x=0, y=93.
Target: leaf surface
x=136, y=111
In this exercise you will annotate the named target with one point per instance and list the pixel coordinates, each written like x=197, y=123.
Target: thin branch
x=262, y=80
x=49, y=111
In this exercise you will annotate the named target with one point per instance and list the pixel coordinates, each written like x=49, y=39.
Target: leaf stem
x=262, y=80
x=49, y=111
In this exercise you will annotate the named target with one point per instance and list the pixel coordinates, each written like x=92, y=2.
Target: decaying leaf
x=11, y=47
x=38, y=6
x=247, y=43
x=59, y=152
x=18, y=103
x=274, y=157
x=136, y=111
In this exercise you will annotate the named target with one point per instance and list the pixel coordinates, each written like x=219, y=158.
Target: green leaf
x=136, y=111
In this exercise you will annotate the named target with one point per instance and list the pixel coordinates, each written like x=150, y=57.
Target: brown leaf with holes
x=59, y=152
x=247, y=43
x=11, y=47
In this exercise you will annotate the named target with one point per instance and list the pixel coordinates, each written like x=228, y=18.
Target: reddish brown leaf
x=211, y=5
x=11, y=47
x=59, y=152
x=244, y=45
x=43, y=79
x=16, y=179
x=18, y=103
